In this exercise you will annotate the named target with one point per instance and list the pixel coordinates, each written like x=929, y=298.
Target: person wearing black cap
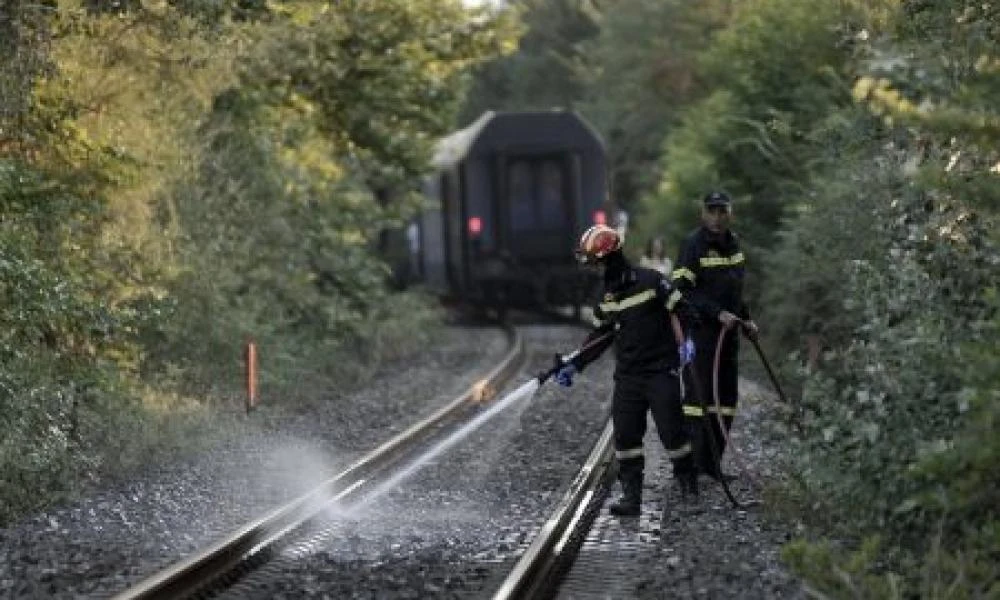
x=709, y=274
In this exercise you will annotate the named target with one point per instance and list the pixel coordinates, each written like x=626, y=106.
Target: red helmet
x=598, y=242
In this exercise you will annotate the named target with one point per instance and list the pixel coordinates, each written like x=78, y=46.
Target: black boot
x=630, y=502
x=687, y=481
x=715, y=472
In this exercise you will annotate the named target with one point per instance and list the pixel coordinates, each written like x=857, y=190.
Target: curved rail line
x=187, y=577
x=537, y=572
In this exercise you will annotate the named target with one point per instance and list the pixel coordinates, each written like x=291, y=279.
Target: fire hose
x=561, y=361
x=701, y=397
x=713, y=446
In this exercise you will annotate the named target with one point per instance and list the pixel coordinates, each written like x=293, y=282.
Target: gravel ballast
x=716, y=550
x=116, y=536
x=455, y=527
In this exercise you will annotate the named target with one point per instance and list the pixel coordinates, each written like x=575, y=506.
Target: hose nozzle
x=559, y=362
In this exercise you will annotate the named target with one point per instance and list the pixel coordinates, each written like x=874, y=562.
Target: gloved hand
x=564, y=376
x=750, y=328
x=686, y=352
x=728, y=319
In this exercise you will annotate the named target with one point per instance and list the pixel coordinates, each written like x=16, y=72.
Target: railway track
x=459, y=533
x=247, y=555
x=260, y=551
x=366, y=532
x=547, y=560
x=239, y=552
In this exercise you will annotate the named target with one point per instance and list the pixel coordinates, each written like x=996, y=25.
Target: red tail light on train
x=475, y=226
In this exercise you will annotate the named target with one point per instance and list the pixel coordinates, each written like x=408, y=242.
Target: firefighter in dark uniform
x=709, y=274
x=637, y=314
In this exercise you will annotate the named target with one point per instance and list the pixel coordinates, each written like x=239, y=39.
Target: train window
x=521, y=196
x=552, y=213
x=536, y=194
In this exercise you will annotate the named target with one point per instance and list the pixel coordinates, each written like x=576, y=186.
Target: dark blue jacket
x=635, y=310
x=710, y=272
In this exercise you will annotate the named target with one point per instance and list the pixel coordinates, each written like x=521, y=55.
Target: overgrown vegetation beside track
x=179, y=177
x=860, y=141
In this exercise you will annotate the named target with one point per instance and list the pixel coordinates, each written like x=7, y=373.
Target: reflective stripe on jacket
x=636, y=306
x=709, y=273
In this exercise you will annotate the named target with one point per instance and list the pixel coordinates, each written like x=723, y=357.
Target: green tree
x=333, y=107
x=897, y=414
x=549, y=68
x=74, y=187
x=24, y=57
x=824, y=236
x=636, y=89
x=777, y=68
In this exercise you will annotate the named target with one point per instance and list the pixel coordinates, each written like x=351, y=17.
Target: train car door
x=539, y=223
x=452, y=230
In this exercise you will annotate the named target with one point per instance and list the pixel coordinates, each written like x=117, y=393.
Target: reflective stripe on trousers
x=693, y=410
x=630, y=453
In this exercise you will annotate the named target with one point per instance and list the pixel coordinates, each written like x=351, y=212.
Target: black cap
x=717, y=199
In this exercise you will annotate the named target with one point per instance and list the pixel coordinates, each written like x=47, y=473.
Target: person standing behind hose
x=656, y=257
x=709, y=274
x=637, y=314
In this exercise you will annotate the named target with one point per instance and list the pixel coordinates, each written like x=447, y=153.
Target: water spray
x=524, y=392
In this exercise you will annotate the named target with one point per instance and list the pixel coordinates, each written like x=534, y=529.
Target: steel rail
x=532, y=575
x=187, y=576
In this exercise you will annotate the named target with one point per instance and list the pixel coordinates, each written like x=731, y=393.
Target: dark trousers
x=703, y=422
x=634, y=395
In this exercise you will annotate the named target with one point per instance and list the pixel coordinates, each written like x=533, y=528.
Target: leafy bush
x=333, y=113
x=829, y=231
x=894, y=399
x=61, y=345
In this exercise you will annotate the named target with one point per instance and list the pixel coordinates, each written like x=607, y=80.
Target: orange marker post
x=251, y=369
